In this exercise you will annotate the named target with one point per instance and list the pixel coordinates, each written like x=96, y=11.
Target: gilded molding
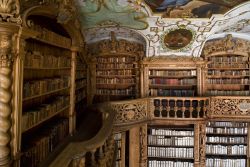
x=227, y=45
x=143, y=146
x=232, y=107
x=130, y=112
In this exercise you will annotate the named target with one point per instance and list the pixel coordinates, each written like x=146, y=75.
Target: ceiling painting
x=107, y=13
x=191, y=8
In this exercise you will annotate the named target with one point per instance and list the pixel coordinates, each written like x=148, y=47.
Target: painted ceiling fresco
x=104, y=13
x=191, y=8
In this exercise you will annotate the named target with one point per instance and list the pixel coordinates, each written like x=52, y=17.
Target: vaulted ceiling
x=150, y=21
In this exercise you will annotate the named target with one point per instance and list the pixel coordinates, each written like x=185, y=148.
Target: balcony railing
x=100, y=150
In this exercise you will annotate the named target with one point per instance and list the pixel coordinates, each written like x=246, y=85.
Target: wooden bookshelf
x=170, y=145
x=226, y=144
x=228, y=74
x=172, y=82
x=46, y=94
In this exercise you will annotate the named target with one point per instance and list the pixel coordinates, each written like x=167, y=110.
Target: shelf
x=156, y=76
x=47, y=68
x=52, y=115
x=114, y=86
x=173, y=146
x=228, y=156
x=221, y=134
x=169, y=136
x=228, y=68
x=115, y=69
x=113, y=95
x=115, y=76
x=170, y=158
x=227, y=76
x=50, y=43
x=162, y=86
x=221, y=143
x=44, y=94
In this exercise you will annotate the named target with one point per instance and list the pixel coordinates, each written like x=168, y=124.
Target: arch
x=72, y=27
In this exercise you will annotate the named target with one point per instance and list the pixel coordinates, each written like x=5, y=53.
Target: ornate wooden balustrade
x=100, y=150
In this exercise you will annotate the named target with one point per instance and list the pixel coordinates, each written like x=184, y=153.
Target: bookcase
x=172, y=82
x=116, y=77
x=227, y=75
x=170, y=145
x=46, y=93
x=226, y=144
x=81, y=89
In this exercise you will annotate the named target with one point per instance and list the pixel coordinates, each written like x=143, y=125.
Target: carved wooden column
x=18, y=67
x=134, y=146
x=143, y=146
x=199, y=81
x=72, y=115
x=6, y=60
x=196, y=145
x=202, y=148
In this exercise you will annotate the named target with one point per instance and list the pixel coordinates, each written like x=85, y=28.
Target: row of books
x=129, y=91
x=217, y=162
x=52, y=36
x=127, y=59
x=38, y=60
x=228, y=81
x=81, y=74
x=33, y=46
x=122, y=72
x=229, y=58
x=228, y=65
x=36, y=147
x=81, y=83
x=227, y=140
x=225, y=87
x=173, y=73
x=171, y=132
x=176, y=82
x=155, y=163
x=115, y=80
x=38, y=87
x=172, y=141
x=227, y=93
x=80, y=95
x=35, y=115
x=228, y=124
x=229, y=72
x=170, y=152
x=121, y=66
x=226, y=150
x=171, y=92
x=227, y=130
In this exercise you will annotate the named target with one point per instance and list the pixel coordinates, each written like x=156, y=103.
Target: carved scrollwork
x=230, y=107
x=9, y=11
x=227, y=44
x=130, y=112
x=116, y=46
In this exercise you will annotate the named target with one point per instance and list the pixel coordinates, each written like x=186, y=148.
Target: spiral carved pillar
x=6, y=58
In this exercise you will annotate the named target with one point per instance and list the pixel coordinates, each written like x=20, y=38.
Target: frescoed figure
x=171, y=4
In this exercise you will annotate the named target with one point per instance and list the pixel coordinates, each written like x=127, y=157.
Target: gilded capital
x=9, y=11
x=6, y=57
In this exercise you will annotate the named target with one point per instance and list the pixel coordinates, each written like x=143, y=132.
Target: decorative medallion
x=176, y=39
x=244, y=106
